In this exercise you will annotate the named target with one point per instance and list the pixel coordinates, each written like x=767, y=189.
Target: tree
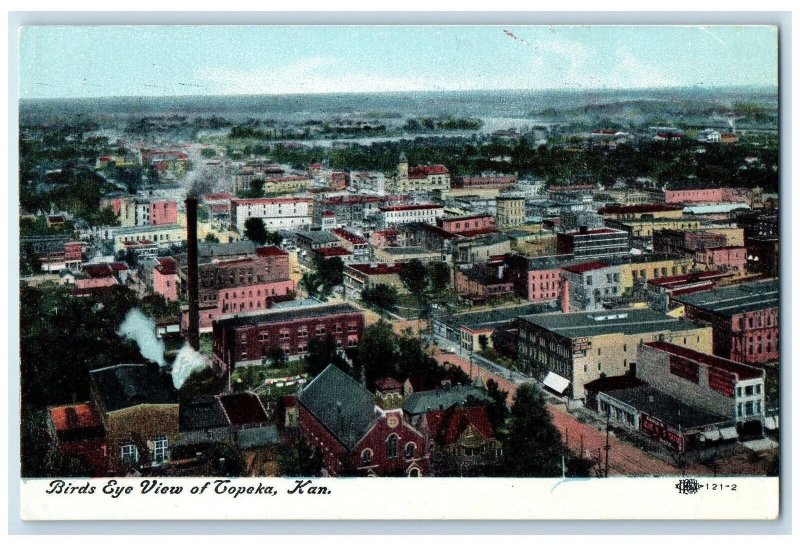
x=322, y=352
x=483, y=341
x=255, y=231
x=533, y=447
x=382, y=295
x=328, y=273
x=299, y=460
x=274, y=238
x=438, y=276
x=413, y=277
x=256, y=189
x=311, y=284
x=277, y=357
x=377, y=353
x=211, y=238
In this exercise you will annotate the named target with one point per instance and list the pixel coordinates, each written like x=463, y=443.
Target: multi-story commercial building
x=708, y=195
x=714, y=384
x=481, y=249
x=537, y=279
x=406, y=214
x=636, y=270
x=569, y=350
x=590, y=285
x=165, y=278
x=588, y=244
x=510, y=210
x=660, y=291
x=468, y=226
x=723, y=258
x=402, y=254
x=363, y=183
x=356, y=244
x=277, y=213
x=247, y=339
x=137, y=211
x=636, y=212
x=762, y=256
x=480, y=284
x=162, y=236
x=486, y=181
x=359, y=276
x=644, y=227
x=744, y=318
x=685, y=243
x=354, y=210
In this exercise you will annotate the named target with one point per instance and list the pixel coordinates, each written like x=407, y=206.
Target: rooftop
x=377, y=269
x=349, y=236
x=400, y=250
x=732, y=300
x=317, y=237
x=442, y=399
x=598, y=323
x=494, y=316
x=741, y=370
x=74, y=417
x=127, y=385
x=666, y=408
x=243, y=408
x=447, y=426
x=394, y=208
x=265, y=251
x=333, y=251
x=637, y=209
x=340, y=404
x=288, y=315
x=586, y=266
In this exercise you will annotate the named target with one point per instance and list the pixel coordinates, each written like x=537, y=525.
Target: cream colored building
x=641, y=269
x=576, y=348
x=510, y=211
x=644, y=227
x=426, y=178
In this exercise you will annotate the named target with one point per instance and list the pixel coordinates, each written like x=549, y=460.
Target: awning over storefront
x=771, y=423
x=556, y=382
x=729, y=433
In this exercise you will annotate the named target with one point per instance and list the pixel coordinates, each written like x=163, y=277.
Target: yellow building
x=510, y=211
x=635, y=212
x=644, y=227
x=734, y=236
x=286, y=185
x=427, y=178
x=566, y=351
x=641, y=269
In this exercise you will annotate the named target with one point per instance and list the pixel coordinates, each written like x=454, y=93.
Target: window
x=366, y=457
x=748, y=390
x=409, y=450
x=130, y=455
x=758, y=389
x=391, y=446
x=159, y=451
x=748, y=408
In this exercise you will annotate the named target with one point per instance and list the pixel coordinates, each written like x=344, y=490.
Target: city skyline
x=89, y=62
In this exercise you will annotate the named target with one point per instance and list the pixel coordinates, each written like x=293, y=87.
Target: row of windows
x=409, y=450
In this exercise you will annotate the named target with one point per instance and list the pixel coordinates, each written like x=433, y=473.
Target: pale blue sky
x=196, y=60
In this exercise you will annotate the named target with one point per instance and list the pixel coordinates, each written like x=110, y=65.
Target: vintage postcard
x=507, y=272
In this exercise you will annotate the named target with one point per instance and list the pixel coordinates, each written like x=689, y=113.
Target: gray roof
x=666, y=408
x=597, y=323
x=221, y=250
x=424, y=401
x=732, y=300
x=317, y=237
x=285, y=315
x=407, y=250
x=202, y=413
x=340, y=404
x=257, y=437
x=128, y=385
x=493, y=316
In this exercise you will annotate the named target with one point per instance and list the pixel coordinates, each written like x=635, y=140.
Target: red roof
x=446, y=426
x=97, y=271
x=350, y=237
x=222, y=196
x=328, y=213
x=333, y=251
x=378, y=269
x=243, y=408
x=118, y=266
x=742, y=370
x=423, y=171
x=586, y=266
x=411, y=207
x=274, y=179
x=266, y=251
x=634, y=209
x=268, y=201
x=289, y=401
x=167, y=266
x=387, y=232
x=73, y=417
x=387, y=383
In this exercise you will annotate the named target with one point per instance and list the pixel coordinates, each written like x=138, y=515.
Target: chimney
x=565, y=296
x=194, y=299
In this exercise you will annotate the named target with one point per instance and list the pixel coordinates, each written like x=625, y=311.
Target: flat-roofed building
x=401, y=254
x=712, y=383
x=357, y=277
x=577, y=348
x=276, y=212
x=744, y=318
x=594, y=243
x=591, y=285
x=406, y=214
x=510, y=210
x=247, y=339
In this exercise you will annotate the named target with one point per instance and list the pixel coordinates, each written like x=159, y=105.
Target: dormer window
x=409, y=450
x=366, y=457
x=391, y=447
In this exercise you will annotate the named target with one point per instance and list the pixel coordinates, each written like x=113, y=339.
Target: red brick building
x=468, y=226
x=744, y=319
x=340, y=418
x=723, y=258
x=247, y=340
x=489, y=181
x=77, y=430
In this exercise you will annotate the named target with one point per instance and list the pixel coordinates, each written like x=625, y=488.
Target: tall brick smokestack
x=194, y=298
x=565, y=296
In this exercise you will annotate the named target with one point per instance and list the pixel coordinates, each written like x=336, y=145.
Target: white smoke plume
x=140, y=328
x=186, y=361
